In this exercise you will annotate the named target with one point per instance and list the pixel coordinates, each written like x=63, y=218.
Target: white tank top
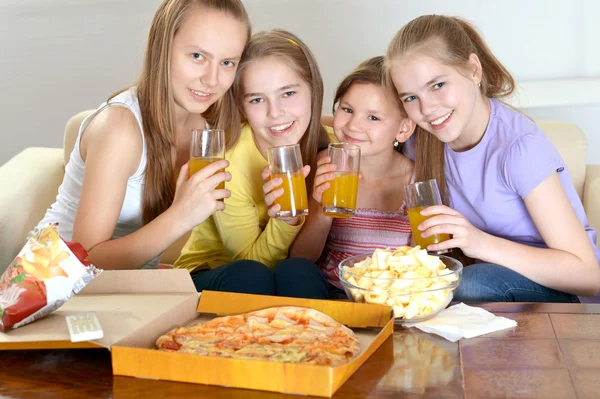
x=64, y=209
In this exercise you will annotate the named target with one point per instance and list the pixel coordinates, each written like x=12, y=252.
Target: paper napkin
x=462, y=321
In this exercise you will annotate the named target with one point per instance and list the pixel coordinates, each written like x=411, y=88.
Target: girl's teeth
x=199, y=93
x=441, y=120
x=281, y=128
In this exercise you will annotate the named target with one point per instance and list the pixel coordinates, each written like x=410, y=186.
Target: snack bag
x=43, y=276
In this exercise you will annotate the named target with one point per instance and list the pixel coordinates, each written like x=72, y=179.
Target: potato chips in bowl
x=415, y=284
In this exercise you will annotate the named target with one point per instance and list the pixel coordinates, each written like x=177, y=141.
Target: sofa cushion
x=571, y=143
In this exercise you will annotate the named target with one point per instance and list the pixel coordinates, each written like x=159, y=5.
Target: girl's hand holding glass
x=207, y=146
x=288, y=170
x=339, y=200
x=323, y=176
x=272, y=190
x=444, y=220
x=197, y=198
x=417, y=197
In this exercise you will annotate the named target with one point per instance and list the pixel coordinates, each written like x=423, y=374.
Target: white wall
x=63, y=56
x=60, y=57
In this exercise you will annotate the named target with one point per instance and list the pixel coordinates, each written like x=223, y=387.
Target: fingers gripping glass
x=287, y=164
x=207, y=146
x=419, y=196
x=339, y=200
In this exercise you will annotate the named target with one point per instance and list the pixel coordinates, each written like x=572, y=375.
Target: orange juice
x=197, y=164
x=415, y=218
x=294, y=201
x=339, y=200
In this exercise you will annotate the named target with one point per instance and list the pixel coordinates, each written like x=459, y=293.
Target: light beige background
x=62, y=56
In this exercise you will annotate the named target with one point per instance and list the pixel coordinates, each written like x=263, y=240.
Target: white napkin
x=462, y=321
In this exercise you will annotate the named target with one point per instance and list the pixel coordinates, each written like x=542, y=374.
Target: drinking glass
x=339, y=200
x=207, y=146
x=417, y=197
x=287, y=164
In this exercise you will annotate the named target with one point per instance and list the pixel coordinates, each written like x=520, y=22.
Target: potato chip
x=376, y=295
x=352, y=281
x=407, y=279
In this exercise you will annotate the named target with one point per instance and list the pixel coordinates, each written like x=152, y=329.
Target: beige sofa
x=30, y=183
x=31, y=190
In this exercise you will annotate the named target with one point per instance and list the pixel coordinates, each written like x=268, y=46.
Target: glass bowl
x=413, y=299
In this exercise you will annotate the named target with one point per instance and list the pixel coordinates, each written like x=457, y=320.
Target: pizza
x=280, y=334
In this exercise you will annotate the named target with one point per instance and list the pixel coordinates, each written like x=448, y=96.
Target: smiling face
x=205, y=54
x=276, y=102
x=370, y=117
x=441, y=99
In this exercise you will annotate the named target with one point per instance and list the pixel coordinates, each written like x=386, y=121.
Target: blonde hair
x=451, y=40
x=157, y=105
x=288, y=47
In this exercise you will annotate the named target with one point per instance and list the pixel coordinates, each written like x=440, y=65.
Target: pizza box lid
x=134, y=355
x=123, y=301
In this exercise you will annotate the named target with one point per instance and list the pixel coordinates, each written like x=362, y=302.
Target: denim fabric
x=243, y=276
x=294, y=277
x=336, y=292
x=300, y=278
x=485, y=282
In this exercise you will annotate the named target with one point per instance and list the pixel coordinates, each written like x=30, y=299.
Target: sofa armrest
x=591, y=196
x=29, y=183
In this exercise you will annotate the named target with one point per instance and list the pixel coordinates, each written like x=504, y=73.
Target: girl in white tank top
x=64, y=209
x=103, y=208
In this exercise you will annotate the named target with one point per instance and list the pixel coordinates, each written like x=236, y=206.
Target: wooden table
x=553, y=353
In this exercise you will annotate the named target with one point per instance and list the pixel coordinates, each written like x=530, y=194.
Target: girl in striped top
x=366, y=114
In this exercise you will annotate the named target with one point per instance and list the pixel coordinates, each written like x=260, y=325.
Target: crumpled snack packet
x=44, y=275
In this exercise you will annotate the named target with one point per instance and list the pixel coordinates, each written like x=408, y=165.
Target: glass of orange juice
x=339, y=200
x=417, y=197
x=207, y=146
x=287, y=164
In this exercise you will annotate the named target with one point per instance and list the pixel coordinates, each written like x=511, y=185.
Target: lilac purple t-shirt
x=487, y=184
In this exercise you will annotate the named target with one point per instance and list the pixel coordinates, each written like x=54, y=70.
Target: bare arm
x=112, y=149
x=568, y=264
x=310, y=241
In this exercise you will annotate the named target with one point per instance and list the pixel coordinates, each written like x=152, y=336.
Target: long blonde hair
x=451, y=40
x=294, y=52
x=157, y=105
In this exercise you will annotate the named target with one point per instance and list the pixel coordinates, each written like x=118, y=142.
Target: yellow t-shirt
x=243, y=230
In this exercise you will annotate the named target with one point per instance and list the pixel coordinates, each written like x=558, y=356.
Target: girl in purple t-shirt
x=514, y=207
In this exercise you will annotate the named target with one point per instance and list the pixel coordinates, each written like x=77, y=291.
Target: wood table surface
x=553, y=353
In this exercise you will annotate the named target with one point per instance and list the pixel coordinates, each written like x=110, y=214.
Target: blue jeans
x=337, y=293
x=294, y=277
x=485, y=282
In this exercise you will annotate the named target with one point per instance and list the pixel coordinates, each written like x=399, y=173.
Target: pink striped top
x=367, y=230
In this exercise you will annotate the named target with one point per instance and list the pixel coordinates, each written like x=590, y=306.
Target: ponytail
x=496, y=81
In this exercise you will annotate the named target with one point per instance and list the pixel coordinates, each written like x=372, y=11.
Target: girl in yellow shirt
x=279, y=90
